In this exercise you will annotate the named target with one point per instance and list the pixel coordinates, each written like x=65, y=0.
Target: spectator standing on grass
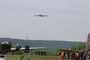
x=28, y=58
x=62, y=55
x=68, y=55
x=84, y=56
x=81, y=56
x=88, y=56
x=71, y=55
x=77, y=56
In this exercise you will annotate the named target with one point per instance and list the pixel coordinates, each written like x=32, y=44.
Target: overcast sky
x=68, y=20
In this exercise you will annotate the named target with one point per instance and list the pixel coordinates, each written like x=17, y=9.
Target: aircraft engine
x=26, y=49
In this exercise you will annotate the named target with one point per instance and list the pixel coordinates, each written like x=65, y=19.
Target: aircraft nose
x=89, y=34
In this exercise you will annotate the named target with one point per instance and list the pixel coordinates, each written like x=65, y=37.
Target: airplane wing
x=31, y=48
x=36, y=15
x=45, y=15
x=34, y=48
x=42, y=15
x=13, y=49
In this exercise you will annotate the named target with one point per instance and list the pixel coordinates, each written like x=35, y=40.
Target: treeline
x=79, y=47
x=52, y=45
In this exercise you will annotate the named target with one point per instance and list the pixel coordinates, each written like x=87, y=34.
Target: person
x=62, y=55
x=81, y=56
x=88, y=56
x=68, y=55
x=84, y=56
x=77, y=56
x=29, y=58
x=71, y=55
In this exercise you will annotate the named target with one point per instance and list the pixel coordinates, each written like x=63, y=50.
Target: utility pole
x=27, y=39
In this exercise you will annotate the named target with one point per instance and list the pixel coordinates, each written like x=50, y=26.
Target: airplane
x=5, y=47
x=18, y=48
x=41, y=15
x=26, y=49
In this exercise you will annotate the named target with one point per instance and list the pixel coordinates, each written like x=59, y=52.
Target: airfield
x=17, y=57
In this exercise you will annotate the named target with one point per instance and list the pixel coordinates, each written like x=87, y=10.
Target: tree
x=12, y=46
x=74, y=47
x=79, y=47
x=50, y=53
x=19, y=53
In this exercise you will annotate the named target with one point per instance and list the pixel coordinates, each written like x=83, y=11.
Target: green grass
x=17, y=57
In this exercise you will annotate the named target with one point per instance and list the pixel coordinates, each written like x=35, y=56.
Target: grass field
x=17, y=57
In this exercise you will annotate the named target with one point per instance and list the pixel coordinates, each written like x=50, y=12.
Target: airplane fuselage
x=88, y=43
x=40, y=15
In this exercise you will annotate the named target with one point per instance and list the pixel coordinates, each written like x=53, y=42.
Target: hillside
x=51, y=45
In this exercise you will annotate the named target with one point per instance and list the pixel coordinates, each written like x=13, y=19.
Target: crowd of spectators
x=75, y=55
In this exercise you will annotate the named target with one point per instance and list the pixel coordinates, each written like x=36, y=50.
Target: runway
x=1, y=58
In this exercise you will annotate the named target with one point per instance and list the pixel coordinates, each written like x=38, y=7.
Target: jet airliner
x=41, y=15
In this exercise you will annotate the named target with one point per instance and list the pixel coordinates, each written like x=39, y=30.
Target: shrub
x=19, y=53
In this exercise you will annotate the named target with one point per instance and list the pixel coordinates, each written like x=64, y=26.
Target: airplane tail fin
x=18, y=48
